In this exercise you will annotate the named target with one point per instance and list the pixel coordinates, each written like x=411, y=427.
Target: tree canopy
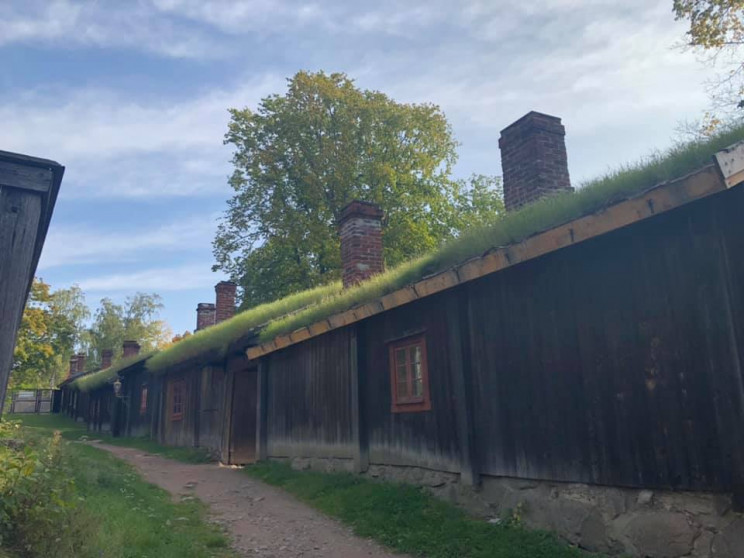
x=299, y=158
x=717, y=27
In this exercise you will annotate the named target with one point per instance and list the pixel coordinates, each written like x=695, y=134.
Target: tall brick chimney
x=533, y=159
x=107, y=356
x=130, y=349
x=73, y=366
x=205, y=315
x=225, y=307
x=360, y=228
x=80, y=363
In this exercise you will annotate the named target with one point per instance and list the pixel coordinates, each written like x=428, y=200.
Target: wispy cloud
x=73, y=245
x=161, y=280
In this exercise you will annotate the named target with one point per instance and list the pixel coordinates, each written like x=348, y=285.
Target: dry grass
x=95, y=380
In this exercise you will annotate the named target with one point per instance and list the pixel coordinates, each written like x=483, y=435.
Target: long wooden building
x=586, y=368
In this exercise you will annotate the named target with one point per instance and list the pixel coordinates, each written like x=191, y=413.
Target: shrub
x=39, y=516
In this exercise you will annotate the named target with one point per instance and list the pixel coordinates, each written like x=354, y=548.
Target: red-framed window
x=143, y=400
x=178, y=399
x=409, y=375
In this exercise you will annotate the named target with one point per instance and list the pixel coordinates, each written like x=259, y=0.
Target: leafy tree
x=52, y=326
x=301, y=157
x=717, y=27
x=136, y=319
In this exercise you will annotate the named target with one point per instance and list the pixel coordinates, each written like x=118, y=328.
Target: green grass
x=219, y=337
x=132, y=518
x=408, y=519
x=95, y=380
x=304, y=308
x=72, y=430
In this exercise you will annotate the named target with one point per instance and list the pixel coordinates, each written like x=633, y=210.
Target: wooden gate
x=243, y=420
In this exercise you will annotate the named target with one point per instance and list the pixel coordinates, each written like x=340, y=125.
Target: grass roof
x=307, y=307
x=94, y=380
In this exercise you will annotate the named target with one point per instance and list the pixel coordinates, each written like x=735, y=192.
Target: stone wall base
x=614, y=521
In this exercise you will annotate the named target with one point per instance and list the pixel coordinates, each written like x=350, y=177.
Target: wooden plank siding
x=426, y=439
x=611, y=363
x=309, y=399
x=614, y=362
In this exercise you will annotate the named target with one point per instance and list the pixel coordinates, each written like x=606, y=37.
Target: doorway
x=243, y=420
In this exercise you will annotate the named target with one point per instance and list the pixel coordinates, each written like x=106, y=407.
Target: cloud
x=165, y=279
x=73, y=245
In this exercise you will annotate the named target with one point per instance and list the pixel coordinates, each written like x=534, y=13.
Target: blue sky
x=132, y=97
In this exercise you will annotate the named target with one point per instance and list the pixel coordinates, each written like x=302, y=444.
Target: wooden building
x=28, y=192
x=592, y=359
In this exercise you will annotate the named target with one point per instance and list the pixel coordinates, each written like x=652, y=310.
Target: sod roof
x=267, y=321
x=94, y=380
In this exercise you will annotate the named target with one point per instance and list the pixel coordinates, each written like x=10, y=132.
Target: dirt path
x=262, y=520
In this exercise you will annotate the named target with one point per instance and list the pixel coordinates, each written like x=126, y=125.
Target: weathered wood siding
x=20, y=214
x=615, y=361
x=184, y=431
x=211, y=400
x=135, y=422
x=308, y=399
x=426, y=439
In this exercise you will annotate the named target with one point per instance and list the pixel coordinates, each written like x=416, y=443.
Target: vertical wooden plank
x=358, y=426
x=227, y=406
x=262, y=410
x=456, y=310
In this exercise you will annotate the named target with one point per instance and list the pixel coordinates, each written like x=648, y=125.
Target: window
x=143, y=400
x=178, y=399
x=409, y=377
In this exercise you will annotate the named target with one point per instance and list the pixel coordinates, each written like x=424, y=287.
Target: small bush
x=39, y=516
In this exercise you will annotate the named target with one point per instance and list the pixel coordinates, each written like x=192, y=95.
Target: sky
x=132, y=97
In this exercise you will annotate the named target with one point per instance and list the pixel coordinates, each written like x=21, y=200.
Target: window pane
x=400, y=357
x=402, y=380
x=418, y=379
x=415, y=354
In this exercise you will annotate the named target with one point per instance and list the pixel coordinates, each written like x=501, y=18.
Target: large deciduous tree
x=53, y=324
x=717, y=27
x=136, y=319
x=301, y=157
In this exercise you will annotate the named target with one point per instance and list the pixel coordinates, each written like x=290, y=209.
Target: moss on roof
x=94, y=380
x=219, y=337
x=307, y=307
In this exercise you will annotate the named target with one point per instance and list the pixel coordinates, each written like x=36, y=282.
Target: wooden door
x=243, y=423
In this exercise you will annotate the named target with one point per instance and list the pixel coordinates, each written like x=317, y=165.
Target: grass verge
x=128, y=517
x=408, y=519
x=72, y=430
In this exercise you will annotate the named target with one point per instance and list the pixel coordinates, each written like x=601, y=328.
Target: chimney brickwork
x=130, y=349
x=205, y=315
x=360, y=228
x=225, y=307
x=107, y=355
x=533, y=159
x=80, y=363
x=73, y=366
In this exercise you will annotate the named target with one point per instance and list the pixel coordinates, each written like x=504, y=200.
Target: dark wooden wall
x=133, y=421
x=211, y=401
x=427, y=439
x=615, y=362
x=309, y=401
x=183, y=432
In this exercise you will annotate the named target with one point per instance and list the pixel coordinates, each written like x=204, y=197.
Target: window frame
x=409, y=404
x=178, y=386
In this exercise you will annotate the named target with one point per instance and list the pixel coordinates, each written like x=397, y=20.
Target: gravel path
x=262, y=520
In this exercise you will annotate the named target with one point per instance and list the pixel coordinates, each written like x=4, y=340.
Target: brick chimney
x=80, y=363
x=73, y=366
x=130, y=348
x=360, y=228
x=225, y=307
x=533, y=159
x=107, y=356
x=205, y=314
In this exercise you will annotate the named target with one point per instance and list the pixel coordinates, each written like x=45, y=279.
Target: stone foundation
x=614, y=521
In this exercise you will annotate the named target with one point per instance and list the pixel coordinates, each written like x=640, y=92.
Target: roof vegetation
x=94, y=380
x=307, y=307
